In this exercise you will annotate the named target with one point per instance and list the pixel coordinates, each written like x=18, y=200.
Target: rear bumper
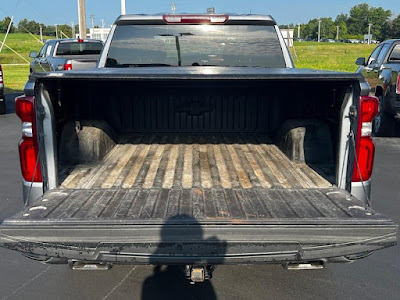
x=186, y=244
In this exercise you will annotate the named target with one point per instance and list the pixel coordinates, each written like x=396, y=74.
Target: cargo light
x=28, y=145
x=365, y=147
x=195, y=19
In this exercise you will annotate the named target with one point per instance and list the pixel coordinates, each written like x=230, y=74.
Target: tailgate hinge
x=353, y=112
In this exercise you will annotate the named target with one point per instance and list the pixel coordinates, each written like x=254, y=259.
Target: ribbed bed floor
x=147, y=162
x=153, y=179
x=196, y=205
x=194, y=179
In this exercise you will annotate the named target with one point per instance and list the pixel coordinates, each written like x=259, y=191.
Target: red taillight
x=195, y=19
x=80, y=40
x=28, y=157
x=24, y=108
x=68, y=67
x=398, y=85
x=365, y=158
x=1, y=75
x=365, y=147
x=28, y=146
x=369, y=108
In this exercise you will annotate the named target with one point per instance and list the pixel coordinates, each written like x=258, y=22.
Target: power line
x=16, y=6
x=6, y=13
x=38, y=12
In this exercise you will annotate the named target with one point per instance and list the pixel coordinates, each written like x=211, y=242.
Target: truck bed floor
x=205, y=206
x=167, y=162
x=149, y=179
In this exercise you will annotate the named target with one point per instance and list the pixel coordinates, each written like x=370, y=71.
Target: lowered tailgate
x=198, y=225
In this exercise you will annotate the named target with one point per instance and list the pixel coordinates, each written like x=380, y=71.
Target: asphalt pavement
x=374, y=277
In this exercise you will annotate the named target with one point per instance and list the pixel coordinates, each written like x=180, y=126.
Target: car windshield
x=79, y=48
x=195, y=45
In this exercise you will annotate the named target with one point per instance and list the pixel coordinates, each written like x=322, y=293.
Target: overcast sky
x=52, y=12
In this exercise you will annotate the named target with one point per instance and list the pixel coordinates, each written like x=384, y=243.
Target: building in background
x=99, y=33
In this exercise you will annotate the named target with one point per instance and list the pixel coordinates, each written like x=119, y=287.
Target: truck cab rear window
x=195, y=45
x=74, y=48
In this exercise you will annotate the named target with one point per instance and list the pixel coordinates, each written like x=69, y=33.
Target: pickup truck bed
x=156, y=177
x=152, y=198
x=196, y=166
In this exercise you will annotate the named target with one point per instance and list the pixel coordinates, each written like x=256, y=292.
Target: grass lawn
x=310, y=55
x=15, y=76
x=329, y=56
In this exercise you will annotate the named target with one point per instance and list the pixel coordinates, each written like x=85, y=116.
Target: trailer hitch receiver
x=198, y=273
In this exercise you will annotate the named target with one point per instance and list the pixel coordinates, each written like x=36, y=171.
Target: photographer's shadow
x=182, y=241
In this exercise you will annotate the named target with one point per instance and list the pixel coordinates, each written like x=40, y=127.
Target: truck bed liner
x=194, y=162
x=219, y=179
x=205, y=206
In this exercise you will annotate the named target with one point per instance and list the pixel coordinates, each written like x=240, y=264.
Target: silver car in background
x=66, y=54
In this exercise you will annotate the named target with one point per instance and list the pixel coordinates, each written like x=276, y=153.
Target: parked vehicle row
x=325, y=40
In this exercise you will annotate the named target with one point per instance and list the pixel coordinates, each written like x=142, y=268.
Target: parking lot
x=375, y=277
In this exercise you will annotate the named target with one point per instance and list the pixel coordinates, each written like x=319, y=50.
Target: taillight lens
x=365, y=147
x=28, y=146
x=68, y=67
x=24, y=108
x=1, y=75
x=28, y=157
x=398, y=85
x=369, y=109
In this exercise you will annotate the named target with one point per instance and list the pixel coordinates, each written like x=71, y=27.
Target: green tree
x=343, y=31
x=358, y=19
x=328, y=28
x=378, y=17
x=311, y=29
x=362, y=14
x=342, y=18
x=391, y=29
x=29, y=26
x=4, y=25
x=65, y=29
x=396, y=28
x=49, y=30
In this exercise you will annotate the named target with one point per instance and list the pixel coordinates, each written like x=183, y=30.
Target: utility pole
x=123, y=10
x=369, y=33
x=298, y=30
x=173, y=7
x=102, y=23
x=337, y=32
x=8, y=31
x=92, y=18
x=319, y=31
x=82, y=19
x=41, y=33
x=56, y=31
x=73, y=29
